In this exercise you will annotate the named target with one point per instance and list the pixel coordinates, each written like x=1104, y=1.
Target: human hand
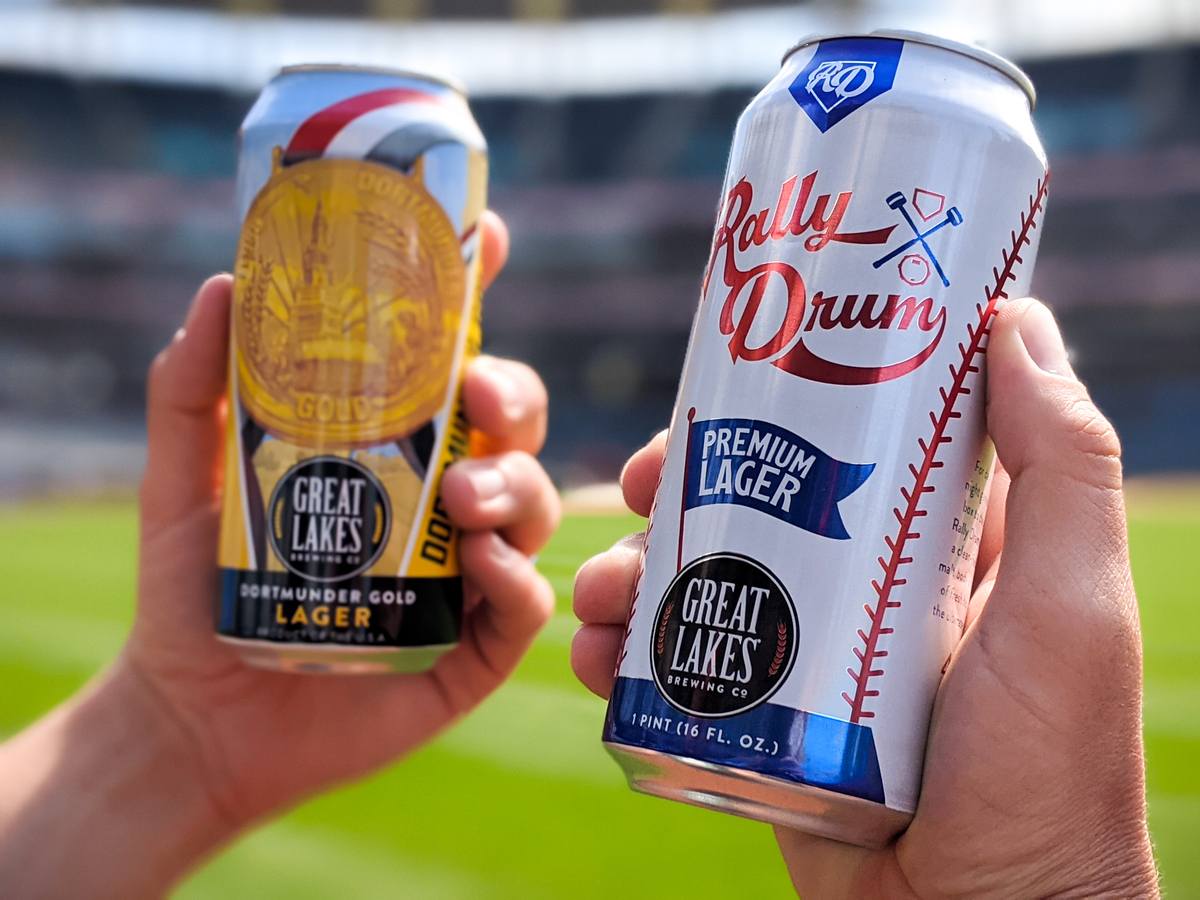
x=226, y=744
x=1034, y=775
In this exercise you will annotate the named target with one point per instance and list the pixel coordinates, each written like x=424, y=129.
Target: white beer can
x=809, y=558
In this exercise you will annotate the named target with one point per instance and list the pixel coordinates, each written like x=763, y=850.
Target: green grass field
x=520, y=800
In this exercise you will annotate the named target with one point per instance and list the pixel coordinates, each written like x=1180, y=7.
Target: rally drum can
x=355, y=311
x=809, y=557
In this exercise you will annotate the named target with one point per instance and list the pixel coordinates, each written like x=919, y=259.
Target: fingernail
x=487, y=480
x=1044, y=341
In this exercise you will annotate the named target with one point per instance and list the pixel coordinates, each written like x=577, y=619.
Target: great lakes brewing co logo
x=725, y=636
x=330, y=519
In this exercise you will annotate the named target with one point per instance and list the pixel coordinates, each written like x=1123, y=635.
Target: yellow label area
x=435, y=552
x=349, y=300
x=348, y=296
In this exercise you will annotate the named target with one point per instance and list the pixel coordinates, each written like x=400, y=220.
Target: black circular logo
x=329, y=519
x=724, y=637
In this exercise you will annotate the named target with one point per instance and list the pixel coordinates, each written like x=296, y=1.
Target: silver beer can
x=810, y=554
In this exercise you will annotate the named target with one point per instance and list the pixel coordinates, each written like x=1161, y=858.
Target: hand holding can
x=1033, y=780
x=808, y=562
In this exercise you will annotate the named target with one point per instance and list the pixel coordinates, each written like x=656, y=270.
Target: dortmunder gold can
x=355, y=311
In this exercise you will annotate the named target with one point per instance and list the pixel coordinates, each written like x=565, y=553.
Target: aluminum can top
x=987, y=57
x=348, y=69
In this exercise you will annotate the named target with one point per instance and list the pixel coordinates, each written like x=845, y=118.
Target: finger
x=639, y=478
x=820, y=867
x=506, y=402
x=495, y=246
x=510, y=493
x=604, y=584
x=594, y=652
x=185, y=410
x=517, y=602
x=1053, y=658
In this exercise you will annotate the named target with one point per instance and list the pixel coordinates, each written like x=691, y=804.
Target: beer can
x=355, y=311
x=809, y=557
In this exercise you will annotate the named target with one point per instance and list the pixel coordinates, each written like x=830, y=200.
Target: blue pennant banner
x=770, y=469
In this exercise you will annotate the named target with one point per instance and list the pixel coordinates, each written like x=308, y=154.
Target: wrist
x=103, y=797
x=1134, y=879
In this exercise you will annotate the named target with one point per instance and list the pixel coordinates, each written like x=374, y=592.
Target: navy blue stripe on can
x=773, y=740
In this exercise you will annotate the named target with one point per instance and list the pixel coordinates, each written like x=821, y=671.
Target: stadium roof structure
x=616, y=55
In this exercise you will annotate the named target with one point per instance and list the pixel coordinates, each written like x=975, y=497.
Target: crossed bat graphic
x=899, y=202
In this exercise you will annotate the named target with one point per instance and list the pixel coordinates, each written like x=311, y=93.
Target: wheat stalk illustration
x=780, y=650
x=662, y=629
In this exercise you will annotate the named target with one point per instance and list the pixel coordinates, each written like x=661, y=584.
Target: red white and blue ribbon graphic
x=395, y=127
x=369, y=126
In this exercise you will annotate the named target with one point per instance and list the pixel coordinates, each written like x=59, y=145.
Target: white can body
x=810, y=554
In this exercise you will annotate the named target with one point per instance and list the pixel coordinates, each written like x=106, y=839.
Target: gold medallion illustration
x=349, y=291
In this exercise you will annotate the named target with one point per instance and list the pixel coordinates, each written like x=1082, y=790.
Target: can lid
x=987, y=57
x=345, y=68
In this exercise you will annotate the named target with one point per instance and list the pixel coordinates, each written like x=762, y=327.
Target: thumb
x=1035, y=752
x=185, y=412
x=1038, y=410
x=1064, y=587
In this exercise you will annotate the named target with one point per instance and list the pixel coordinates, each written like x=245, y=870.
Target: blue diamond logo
x=844, y=74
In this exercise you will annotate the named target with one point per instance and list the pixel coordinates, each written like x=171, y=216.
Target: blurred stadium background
x=609, y=128
x=609, y=122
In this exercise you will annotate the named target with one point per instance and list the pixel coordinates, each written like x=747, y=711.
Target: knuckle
x=1093, y=439
x=539, y=399
x=555, y=510
x=600, y=577
x=157, y=373
x=521, y=460
x=545, y=517
x=526, y=474
x=536, y=399
x=656, y=446
x=587, y=572
x=546, y=589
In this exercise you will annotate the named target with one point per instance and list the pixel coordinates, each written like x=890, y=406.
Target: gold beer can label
x=355, y=312
x=348, y=297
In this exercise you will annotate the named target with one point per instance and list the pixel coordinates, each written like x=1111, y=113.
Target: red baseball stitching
x=870, y=653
